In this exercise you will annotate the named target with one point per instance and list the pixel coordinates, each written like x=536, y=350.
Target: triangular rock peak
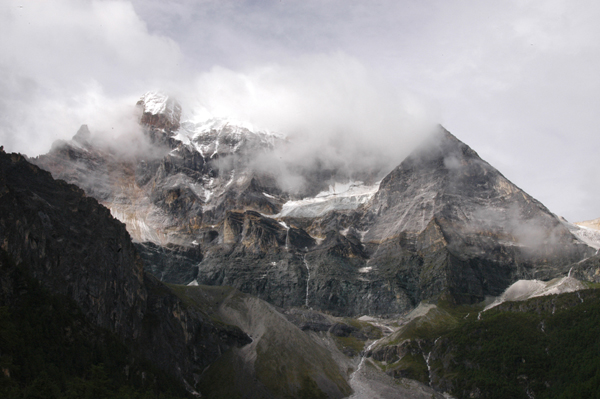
x=474, y=230
x=445, y=179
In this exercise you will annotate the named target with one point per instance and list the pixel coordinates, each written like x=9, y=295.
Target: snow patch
x=210, y=136
x=526, y=289
x=339, y=196
x=586, y=234
x=156, y=103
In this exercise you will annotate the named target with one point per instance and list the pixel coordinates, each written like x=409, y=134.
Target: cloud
x=512, y=79
x=334, y=111
x=60, y=58
x=70, y=63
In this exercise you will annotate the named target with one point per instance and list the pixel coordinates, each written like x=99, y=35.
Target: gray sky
x=518, y=81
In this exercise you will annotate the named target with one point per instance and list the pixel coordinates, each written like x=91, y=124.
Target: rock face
x=212, y=205
x=72, y=244
x=471, y=231
x=74, y=247
x=444, y=221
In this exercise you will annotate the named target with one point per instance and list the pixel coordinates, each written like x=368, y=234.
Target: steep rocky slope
x=75, y=248
x=443, y=221
x=471, y=230
x=213, y=340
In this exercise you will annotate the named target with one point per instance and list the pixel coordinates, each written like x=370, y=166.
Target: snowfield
x=526, y=289
x=340, y=196
x=586, y=234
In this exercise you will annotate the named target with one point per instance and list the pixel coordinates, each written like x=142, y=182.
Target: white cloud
x=515, y=80
x=60, y=57
x=332, y=108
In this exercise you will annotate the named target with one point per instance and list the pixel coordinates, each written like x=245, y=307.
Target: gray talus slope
x=281, y=361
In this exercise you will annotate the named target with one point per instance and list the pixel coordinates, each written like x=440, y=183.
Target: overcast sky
x=518, y=81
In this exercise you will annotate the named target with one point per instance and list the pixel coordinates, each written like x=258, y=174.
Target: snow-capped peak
x=220, y=124
x=160, y=110
x=155, y=102
x=228, y=125
x=214, y=135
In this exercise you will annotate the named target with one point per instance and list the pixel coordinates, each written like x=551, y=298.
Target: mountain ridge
x=443, y=221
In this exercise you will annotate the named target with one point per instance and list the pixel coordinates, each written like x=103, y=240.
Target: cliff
x=76, y=249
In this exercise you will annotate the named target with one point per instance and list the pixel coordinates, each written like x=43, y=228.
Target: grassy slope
x=546, y=346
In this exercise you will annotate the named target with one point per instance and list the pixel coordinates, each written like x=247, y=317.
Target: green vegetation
x=591, y=284
x=355, y=342
x=437, y=321
x=349, y=344
x=532, y=350
x=49, y=350
x=502, y=355
x=221, y=379
x=310, y=390
x=412, y=366
x=547, y=347
x=365, y=328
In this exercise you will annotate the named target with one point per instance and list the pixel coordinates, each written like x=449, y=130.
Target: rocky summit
x=202, y=208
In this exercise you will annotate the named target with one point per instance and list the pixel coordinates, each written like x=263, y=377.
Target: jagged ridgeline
x=211, y=203
x=80, y=318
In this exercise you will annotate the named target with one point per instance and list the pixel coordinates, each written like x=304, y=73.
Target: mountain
x=530, y=348
x=71, y=244
x=472, y=231
x=56, y=236
x=207, y=204
x=431, y=255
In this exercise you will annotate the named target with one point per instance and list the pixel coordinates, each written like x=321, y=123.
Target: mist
x=333, y=111
x=538, y=232
x=65, y=63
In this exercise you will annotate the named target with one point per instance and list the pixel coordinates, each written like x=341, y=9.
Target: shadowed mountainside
x=75, y=248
